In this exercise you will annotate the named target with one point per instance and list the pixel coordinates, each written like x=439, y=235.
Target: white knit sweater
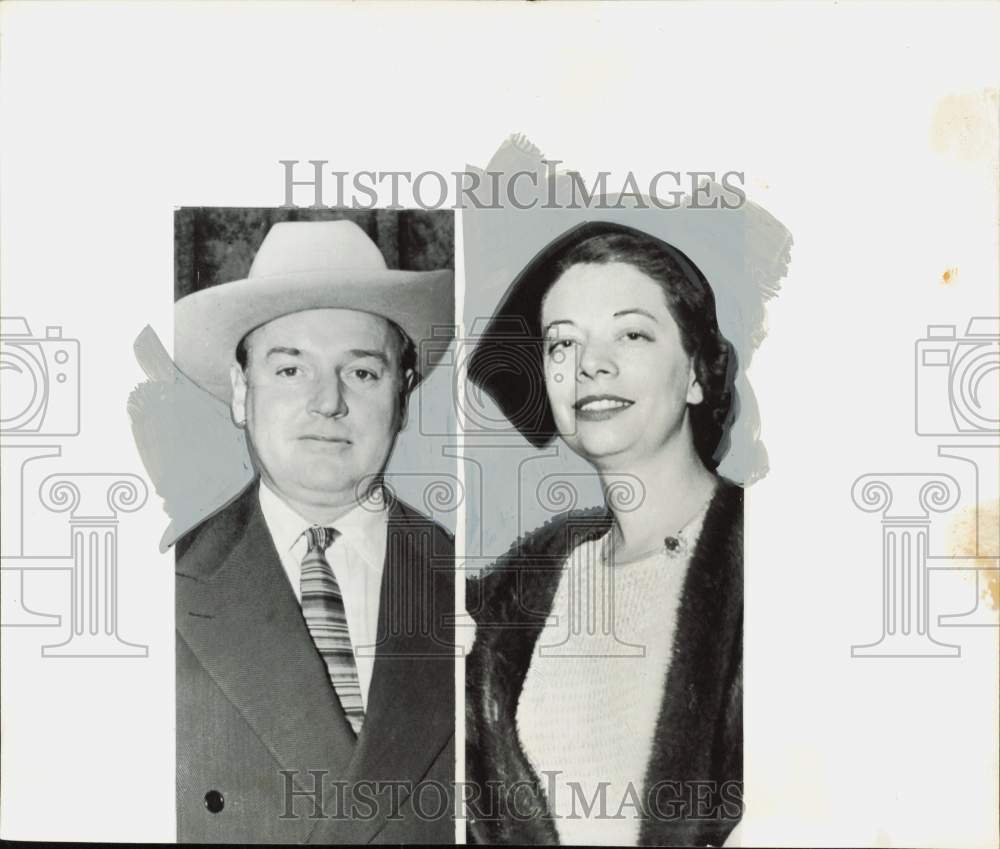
x=587, y=713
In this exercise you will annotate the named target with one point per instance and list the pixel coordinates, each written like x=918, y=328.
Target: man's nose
x=328, y=398
x=595, y=359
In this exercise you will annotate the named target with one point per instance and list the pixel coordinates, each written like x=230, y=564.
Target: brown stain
x=950, y=276
x=966, y=125
x=962, y=533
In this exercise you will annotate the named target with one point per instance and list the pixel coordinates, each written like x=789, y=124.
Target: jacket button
x=214, y=801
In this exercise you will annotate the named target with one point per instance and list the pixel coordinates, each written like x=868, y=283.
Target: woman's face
x=616, y=373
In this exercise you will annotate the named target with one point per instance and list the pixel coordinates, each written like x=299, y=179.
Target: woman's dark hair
x=507, y=361
x=692, y=305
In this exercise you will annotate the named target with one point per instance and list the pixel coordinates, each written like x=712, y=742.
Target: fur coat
x=692, y=790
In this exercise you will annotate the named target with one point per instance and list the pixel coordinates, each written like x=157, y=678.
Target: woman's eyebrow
x=636, y=311
x=558, y=321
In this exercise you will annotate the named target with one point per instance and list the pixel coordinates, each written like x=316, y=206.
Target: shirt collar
x=363, y=528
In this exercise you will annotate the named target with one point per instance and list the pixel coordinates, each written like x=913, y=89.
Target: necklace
x=638, y=558
x=673, y=545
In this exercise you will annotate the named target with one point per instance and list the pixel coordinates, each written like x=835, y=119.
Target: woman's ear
x=695, y=395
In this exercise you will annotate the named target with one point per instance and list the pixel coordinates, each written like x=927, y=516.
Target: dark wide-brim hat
x=507, y=362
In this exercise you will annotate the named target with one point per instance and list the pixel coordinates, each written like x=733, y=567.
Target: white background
x=114, y=115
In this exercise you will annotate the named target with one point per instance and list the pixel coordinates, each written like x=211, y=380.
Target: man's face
x=321, y=397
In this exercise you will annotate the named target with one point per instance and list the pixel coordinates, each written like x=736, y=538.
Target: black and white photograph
x=314, y=649
x=523, y=423
x=607, y=668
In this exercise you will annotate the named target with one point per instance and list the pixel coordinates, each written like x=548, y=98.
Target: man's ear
x=407, y=384
x=238, y=405
x=695, y=394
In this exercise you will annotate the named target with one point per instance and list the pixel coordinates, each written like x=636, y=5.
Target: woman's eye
x=288, y=371
x=560, y=344
x=636, y=335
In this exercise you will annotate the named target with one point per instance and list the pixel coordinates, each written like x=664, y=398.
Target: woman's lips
x=596, y=408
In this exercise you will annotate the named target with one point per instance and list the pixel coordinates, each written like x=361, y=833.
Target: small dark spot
x=214, y=801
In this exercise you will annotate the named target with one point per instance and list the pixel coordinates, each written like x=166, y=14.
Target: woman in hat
x=626, y=730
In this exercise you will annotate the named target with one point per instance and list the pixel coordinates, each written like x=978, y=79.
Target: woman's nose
x=328, y=398
x=595, y=359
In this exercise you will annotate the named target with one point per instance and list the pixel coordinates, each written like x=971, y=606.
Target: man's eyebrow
x=358, y=353
x=280, y=349
x=636, y=311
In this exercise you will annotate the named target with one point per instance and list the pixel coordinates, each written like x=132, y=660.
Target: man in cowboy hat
x=315, y=683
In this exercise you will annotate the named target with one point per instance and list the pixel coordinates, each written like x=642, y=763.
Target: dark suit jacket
x=692, y=792
x=256, y=711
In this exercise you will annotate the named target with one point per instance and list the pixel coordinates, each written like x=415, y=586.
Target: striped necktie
x=323, y=609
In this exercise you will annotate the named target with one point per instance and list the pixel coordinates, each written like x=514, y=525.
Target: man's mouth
x=600, y=407
x=318, y=437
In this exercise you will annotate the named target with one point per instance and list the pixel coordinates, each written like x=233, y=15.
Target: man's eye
x=365, y=375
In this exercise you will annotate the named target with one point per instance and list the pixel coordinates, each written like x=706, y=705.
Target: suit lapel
x=240, y=617
x=410, y=715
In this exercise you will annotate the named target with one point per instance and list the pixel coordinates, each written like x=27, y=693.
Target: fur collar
x=699, y=731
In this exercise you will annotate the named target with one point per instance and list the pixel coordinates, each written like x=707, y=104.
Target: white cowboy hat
x=304, y=265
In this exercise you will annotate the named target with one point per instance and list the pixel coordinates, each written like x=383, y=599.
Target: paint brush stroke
x=196, y=457
x=747, y=273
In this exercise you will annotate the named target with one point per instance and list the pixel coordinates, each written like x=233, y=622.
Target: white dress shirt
x=356, y=556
